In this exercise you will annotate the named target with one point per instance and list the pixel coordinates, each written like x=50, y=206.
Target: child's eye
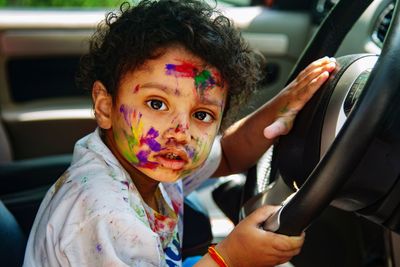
x=157, y=104
x=203, y=116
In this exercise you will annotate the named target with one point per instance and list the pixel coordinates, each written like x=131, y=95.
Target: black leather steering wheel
x=353, y=166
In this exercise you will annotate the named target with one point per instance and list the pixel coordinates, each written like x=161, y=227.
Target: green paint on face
x=132, y=141
x=196, y=158
x=130, y=155
x=204, y=80
x=200, y=145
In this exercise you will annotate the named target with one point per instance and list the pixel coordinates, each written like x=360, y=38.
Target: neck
x=146, y=186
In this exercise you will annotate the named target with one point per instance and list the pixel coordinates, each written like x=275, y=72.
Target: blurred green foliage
x=89, y=3
x=60, y=3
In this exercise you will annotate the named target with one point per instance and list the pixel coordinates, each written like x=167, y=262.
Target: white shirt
x=94, y=215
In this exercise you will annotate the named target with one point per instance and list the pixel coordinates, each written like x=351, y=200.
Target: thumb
x=279, y=127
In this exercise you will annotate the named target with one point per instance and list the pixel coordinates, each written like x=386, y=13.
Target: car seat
x=12, y=239
x=24, y=182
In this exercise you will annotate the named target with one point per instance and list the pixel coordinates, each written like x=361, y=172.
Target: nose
x=178, y=133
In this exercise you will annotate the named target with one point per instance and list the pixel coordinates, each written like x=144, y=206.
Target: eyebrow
x=169, y=90
x=157, y=86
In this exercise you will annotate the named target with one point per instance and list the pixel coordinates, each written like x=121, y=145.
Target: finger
x=262, y=214
x=286, y=253
x=301, y=83
x=288, y=244
x=309, y=90
x=318, y=63
x=304, y=95
x=283, y=260
x=314, y=73
x=284, y=123
x=315, y=63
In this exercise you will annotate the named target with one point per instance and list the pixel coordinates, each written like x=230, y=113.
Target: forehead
x=175, y=64
x=179, y=62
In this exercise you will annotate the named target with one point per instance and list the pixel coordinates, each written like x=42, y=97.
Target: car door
x=42, y=112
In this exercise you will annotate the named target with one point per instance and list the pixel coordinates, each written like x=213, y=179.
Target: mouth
x=172, y=156
x=172, y=159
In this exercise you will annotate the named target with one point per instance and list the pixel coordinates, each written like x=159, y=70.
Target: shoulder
x=92, y=215
x=88, y=188
x=106, y=238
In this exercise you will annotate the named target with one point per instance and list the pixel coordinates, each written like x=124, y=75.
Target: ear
x=102, y=105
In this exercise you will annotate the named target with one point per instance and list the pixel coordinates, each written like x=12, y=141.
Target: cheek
x=140, y=127
x=130, y=122
x=127, y=129
x=149, y=140
x=202, y=146
x=136, y=138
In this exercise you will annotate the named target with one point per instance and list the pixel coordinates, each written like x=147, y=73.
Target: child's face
x=167, y=115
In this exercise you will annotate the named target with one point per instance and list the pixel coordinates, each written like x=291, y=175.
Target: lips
x=172, y=158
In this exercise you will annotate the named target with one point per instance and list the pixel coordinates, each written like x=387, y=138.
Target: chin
x=164, y=175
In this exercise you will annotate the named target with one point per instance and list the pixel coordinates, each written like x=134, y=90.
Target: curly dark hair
x=132, y=35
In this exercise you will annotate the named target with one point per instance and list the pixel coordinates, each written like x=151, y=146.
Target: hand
x=249, y=245
x=297, y=94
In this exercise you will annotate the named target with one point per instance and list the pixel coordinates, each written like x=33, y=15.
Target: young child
x=162, y=76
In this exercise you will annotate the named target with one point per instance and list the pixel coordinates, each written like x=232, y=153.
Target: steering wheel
x=344, y=147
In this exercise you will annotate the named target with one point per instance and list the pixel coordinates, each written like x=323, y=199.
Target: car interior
x=346, y=169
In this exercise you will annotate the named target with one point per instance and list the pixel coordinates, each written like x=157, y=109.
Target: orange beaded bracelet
x=216, y=256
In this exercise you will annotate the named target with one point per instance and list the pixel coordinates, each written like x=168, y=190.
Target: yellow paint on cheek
x=137, y=129
x=133, y=120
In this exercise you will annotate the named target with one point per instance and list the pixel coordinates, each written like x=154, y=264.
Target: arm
x=245, y=141
x=250, y=245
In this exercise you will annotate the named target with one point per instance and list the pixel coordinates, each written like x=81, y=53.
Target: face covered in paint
x=167, y=114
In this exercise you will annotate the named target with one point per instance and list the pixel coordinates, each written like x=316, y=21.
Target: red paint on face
x=181, y=128
x=136, y=89
x=186, y=70
x=217, y=76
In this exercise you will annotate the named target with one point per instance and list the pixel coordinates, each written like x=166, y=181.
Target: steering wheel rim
x=329, y=175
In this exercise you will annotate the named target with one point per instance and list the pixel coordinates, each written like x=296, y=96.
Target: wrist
x=216, y=256
x=222, y=250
